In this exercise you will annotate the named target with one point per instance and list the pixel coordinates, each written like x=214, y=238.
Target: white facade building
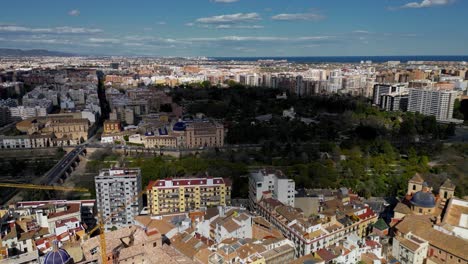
x=28, y=112
x=410, y=249
x=118, y=196
x=282, y=188
x=436, y=103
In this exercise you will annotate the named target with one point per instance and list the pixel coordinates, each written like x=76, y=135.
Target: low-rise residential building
x=443, y=247
x=180, y=195
x=133, y=244
x=25, y=112
x=410, y=249
x=252, y=251
x=337, y=219
x=29, y=228
x=273, y=181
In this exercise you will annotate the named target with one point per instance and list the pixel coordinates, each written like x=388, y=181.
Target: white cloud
x=73, y=30
x=361, y=31
x=56, y=30
x=260, y=39
x=104, y=40
x=298, y=16
x=224, y=1
x=161, y=23
x=239, y=26
x=311, y=46
x=74, y=12
x=228, y=19
x=427, y=3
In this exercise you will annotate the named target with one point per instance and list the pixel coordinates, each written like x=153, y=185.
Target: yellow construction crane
x=42, y=187
x=100, y=226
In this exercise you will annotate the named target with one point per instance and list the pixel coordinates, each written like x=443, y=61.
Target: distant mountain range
x=33, y=53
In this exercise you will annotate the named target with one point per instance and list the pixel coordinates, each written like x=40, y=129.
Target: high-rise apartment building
x=382, y=89
x=274, y=181
x=438, y=103
x=118, y=196
x=394, y=102
x=180, y=195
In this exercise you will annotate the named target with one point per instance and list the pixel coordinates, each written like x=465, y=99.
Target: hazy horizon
x=246, y=28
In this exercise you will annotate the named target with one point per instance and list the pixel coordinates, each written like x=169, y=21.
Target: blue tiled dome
x=59, y=256
x=179, y=126
x=423, y=199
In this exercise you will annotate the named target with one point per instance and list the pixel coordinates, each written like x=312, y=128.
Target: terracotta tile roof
x=367, y=214
x=272, y=202
x=326, y=255
x=187, y=244
x=421, y=226
x=408, y=244
x=333, y=228
x=315, y=234
x=230, y=225
x=309, y=259
x=229, y=241
x=372, y=243
x=71, y=209
x=402, y=208
x=245, y=251
x=142, y=247
x=289, y=212
x=455, y=209
x=10, y=235
x=369, y=258
x=43, y=231
x=261, y=221
x=163, y=227
x=211, y=212
x=26, y=235
x=203, y=255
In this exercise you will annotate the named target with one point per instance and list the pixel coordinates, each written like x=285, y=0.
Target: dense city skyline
x=237, y=27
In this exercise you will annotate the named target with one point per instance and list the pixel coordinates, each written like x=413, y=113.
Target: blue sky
x=237, y=27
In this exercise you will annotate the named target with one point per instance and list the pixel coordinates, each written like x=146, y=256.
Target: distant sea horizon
x=350, y=59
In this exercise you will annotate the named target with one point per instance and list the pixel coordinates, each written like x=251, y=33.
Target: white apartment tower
x=274, y=181
x=438, y=103
x=118, y=196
